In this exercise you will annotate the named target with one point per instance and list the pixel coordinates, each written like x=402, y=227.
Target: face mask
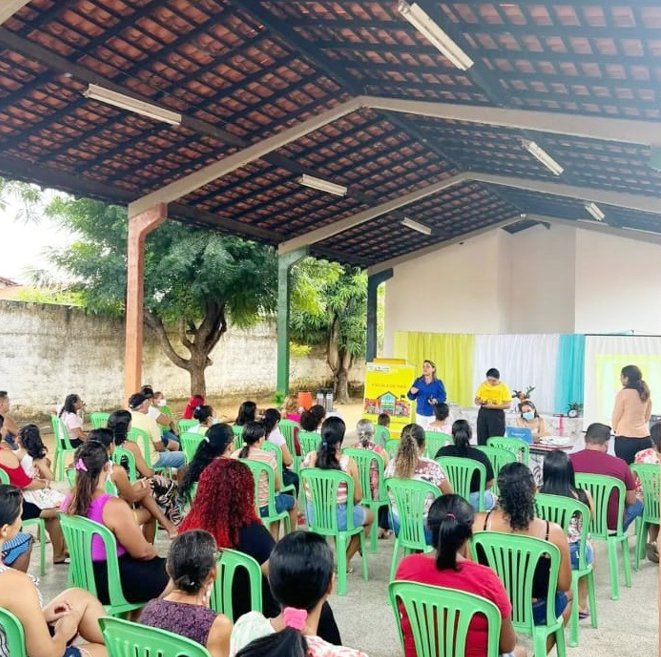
x=529, y=415
x=162, y=402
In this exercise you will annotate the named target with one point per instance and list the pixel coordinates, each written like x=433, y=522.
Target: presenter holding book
x=427, y=391
x=494, y=398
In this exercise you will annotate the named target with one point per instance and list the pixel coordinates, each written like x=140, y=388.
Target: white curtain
x=523, y=361
x=605, y=356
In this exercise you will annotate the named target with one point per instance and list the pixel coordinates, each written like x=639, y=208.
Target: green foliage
x=26, y=195
x=44, y=295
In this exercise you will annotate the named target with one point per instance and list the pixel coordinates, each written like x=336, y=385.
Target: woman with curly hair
x=224, y=506
x=515, y=514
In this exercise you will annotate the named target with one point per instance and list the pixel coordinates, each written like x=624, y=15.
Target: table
x=538, y=453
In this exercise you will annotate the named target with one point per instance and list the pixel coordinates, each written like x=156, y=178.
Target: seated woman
x=270, y=421
x=141, y=570
x=409, y=463
x=650, y=455
x=301, y=579
x=558, y=474
x=225, y=507
x=17, y=477
x=204, y=415
x=253, y=438
x=461, y=436
x=166, y=423
x=529, y=418
x=193, y=403
x=441, y=421
x=247, y=413
x=516, y=515
x=191, y=566
x=290, y=409
x=451, y=523
x=70, y=415
x=329, y=457
x=312, y=419
x=217, y=444
x=49, y=630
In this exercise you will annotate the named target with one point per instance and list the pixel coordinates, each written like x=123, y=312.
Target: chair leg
x=560, y=647
x=592, y=599
x=393, y=563
x=42, y=547
x=341, y=550
x=626, y=558
x=374, y=529
x=363, y=554
x=573, y=619
x=539, y=644
x=612, y=564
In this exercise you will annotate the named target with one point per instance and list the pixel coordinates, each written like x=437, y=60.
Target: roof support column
x=373, y=283
x=285, y=262
x=140, y=225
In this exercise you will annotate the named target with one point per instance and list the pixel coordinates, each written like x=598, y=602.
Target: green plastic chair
x=601, y=488
x=14, y=634
x=410, y=497
x=381, y=435
x=78, y=533
x=391, y=447
x=518, y=447
x=189, y=444
x=309, y=441
x=237, y=430
x=260, y=469
x=367, y=460
x=289, y=429
x=142, y=437
x=227, y=564
x=99, y=420
x=125, y=458
x=40, y=524
x=185, y=425
x=498, y=457
x=649, y=476
x=460, y=472
x=434, y=440
x=126, y=639
x=440, y=617
x=277, y=452
x=4, y=477
x=63, y=448
x=514, y=559
x=322, y=486
x=561, y=510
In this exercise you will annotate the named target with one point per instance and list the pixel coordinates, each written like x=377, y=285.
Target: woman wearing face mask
x=530, y=419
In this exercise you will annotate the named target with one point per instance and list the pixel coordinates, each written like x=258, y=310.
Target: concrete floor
x=627, y=627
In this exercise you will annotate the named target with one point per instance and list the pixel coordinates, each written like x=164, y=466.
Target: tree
x=329, y=307
x=196, y=280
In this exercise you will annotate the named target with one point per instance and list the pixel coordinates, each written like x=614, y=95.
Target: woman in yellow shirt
x=493, y=397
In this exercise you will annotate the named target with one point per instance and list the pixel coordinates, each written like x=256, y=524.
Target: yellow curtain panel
x=451, y=352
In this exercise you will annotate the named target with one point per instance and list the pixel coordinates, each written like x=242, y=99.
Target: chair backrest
x=498, y=458
x=391, y=447
x=277, y=452
x=434, y=440
x=189, y=444
x=60, y=433
x=289, y=429
x=514, y=558
x=261, y=470
x=323, y=487
x=185, y=425
x=228, y=563
x=410, y=497
x=99, y=420
x=561, y=510
x=124, y=638
x=649, y=475
x=78, y=534
x=460, y=471
x=125, y=458
x=309, y=441
x=381, y=435
x=440, y=617
x=522, y=433
x=515, y=445
x=368, y=462
x=14, y=635
x=601, y=487
x=4, y=477
x=143, y=439
x=237, y=430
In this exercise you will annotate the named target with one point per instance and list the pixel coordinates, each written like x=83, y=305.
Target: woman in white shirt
x=70, y=415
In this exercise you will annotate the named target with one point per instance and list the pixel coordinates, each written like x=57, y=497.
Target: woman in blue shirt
x=427, y=390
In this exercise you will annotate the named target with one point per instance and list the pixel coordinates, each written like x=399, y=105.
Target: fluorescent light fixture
x=539, y=153
x=416, y=225
x=322, y=185
x=594, y=210
x=95, y=92
x=422, y=22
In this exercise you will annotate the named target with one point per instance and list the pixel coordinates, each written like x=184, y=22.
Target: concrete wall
x=48, y=351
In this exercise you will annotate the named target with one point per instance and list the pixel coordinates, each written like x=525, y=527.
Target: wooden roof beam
x=10, y=7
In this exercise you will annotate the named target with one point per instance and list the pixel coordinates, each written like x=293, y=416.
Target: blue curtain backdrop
x=570, y=377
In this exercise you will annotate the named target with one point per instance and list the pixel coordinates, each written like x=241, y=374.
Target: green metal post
x=373, y=283
x=285, y=262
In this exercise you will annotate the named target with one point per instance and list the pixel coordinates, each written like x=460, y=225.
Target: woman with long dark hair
x=247, y=413
x=427, y=391
x=558, y=474
x=70, y=416
x=204, y=415
x=301, y=579
x=631, y=415
x=451, y=522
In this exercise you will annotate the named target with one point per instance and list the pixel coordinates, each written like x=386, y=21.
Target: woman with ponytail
x=301, y=580
x=451, y=523
x=141, y=570
x=410, y=463
x=631, y=415
x=461, y=437
x=329, y=457
x=204, y=415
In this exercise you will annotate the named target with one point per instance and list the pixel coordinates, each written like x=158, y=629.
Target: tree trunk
x=342, y=386
x=198, y=383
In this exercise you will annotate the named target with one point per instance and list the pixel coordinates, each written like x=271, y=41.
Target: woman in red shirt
x=451, y=522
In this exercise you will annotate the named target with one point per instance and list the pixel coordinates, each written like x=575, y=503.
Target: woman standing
x=631, y=415
x=494, y=398
x=427, y=391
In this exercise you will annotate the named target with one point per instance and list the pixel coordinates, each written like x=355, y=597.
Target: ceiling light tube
x=322, y=185
x=595, y=211
x=416, y=225
x=114, y=98
x=540, y=154
x=422, y=22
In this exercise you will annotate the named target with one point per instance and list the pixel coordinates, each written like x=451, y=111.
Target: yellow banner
x=386, y=385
